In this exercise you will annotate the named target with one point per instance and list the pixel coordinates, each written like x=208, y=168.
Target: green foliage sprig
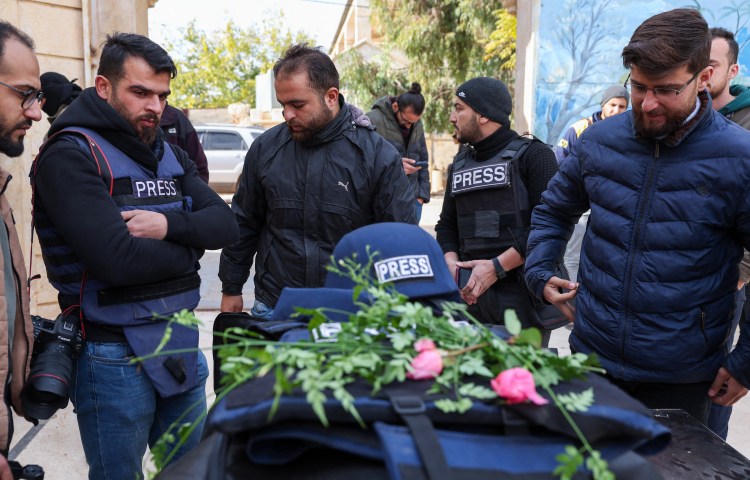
x=377, y=345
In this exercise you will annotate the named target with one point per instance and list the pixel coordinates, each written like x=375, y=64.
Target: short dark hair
x=321, y=72
x=669, y=40
x=120, y=46
x=8, y=31
x=734, y=48
x=412, y=98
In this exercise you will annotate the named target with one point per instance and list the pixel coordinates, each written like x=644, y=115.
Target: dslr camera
x=29, y=472
x=57, y=342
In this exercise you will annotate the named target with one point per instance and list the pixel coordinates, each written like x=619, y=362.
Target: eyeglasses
x=29, y=96
x=406, y=123
x=659, y=92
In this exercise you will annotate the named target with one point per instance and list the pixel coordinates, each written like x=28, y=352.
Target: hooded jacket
x=414, y=147
x=70, y=191
x=296, y=200
x=17, y=334
x=658, y=268
x=738, y=110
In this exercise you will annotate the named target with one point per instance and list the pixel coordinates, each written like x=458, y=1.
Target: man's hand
x=231, y=303
x=5, y=473
x=726, y=390
x=554, y=295
x=409, y=167
x=482, y=277
x=145, y=224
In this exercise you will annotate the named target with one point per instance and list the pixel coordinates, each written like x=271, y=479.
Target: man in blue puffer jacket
x=670, y=213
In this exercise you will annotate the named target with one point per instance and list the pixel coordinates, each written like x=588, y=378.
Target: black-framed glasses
x=659, y=92
x=29, y=96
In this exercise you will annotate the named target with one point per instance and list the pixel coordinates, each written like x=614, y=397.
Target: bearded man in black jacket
x=123, y=219
x=486, y=213
x=306, y=183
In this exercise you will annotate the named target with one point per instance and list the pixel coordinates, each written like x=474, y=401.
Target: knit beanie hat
x=58, y=91
x=615, y=91
x=488, y=97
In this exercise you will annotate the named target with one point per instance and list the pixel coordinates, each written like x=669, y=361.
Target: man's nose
x=34, y=112
x=649, y=102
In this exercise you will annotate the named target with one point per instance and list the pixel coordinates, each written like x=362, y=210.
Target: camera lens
x=47, y=388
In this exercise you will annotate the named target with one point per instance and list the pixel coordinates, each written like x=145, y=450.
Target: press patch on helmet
x=402, y=268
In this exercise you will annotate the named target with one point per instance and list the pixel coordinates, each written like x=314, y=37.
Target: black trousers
x=691, y=397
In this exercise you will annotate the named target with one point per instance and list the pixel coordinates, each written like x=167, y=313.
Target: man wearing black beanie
x=491, y=191
x=59, y=92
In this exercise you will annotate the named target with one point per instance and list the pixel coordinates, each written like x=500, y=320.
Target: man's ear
x=103, y=87
x=332, y=97
x=733, y=71
x=394, y=106
x=704, y=77
x=483, y=120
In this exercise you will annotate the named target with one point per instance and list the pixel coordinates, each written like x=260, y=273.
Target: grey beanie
x=488, y=97
x=615, y=91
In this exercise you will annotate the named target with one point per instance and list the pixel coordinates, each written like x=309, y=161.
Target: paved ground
x=55, y=444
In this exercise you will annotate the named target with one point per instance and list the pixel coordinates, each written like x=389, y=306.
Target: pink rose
x=424, y=344
x=428, y=364
x=516, y=385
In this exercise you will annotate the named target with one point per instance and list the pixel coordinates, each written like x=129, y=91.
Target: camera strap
x=102, y=165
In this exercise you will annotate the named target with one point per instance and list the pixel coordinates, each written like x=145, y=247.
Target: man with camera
x=123, y=219
x=19, y=106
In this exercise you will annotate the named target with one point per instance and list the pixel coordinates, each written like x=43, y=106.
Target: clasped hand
x=146, y=224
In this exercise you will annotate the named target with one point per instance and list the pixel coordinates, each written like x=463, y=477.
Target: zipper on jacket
x=702, y=318
x=636, y=238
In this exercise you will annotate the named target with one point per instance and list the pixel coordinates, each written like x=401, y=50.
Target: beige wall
x=68, y=34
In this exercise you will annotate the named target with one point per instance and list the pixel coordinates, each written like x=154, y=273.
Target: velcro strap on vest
x=121, y=295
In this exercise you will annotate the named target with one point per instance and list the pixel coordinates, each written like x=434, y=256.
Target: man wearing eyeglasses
x=670, y=212
x=19, y=107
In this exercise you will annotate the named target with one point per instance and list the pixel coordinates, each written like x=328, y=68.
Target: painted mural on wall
x=580, y=43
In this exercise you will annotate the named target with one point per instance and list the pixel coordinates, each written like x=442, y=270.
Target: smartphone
x=462, y=276
x=421, y=163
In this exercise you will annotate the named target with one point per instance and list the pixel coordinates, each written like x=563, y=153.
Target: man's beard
x=8, y=146
x=317, y=123
x=674, y=119
x=470, y=133
x=146, y=134
x=716, y=90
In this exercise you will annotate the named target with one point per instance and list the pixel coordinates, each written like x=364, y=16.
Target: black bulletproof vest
x=492, y=201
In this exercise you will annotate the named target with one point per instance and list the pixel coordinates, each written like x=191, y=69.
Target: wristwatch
x=499, y=270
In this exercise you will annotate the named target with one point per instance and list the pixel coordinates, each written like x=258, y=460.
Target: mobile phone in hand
x=462, y=276
x=421, y=163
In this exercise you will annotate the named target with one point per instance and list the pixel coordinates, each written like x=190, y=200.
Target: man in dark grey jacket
x=397, y=119
x=306, y=183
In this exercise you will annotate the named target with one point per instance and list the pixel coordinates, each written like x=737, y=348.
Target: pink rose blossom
x=428, y=364
x=424, y=344
x=516, y=385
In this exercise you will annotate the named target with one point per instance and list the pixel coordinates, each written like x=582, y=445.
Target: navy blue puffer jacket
x=659, y=261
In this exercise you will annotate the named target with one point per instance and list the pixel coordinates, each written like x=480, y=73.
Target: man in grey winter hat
x=487, y=207
x=614, y=101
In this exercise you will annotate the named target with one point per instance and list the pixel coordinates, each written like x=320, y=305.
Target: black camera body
x=29, y=472
x=57, y=342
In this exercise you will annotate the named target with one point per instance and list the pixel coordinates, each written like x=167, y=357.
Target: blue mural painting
x=580, y=43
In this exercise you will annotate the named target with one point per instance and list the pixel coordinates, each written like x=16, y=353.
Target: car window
x=223, y=141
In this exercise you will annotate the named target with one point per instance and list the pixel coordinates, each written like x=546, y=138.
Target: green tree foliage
x=445, y=42
x=366, y=81
x=219, y=68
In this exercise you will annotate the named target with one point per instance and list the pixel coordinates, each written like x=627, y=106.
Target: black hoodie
x=69, y=189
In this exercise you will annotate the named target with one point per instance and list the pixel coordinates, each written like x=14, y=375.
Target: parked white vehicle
x=225, y=147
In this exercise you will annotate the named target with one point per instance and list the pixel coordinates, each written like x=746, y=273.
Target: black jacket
x=70, y=190
x=295, y=201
